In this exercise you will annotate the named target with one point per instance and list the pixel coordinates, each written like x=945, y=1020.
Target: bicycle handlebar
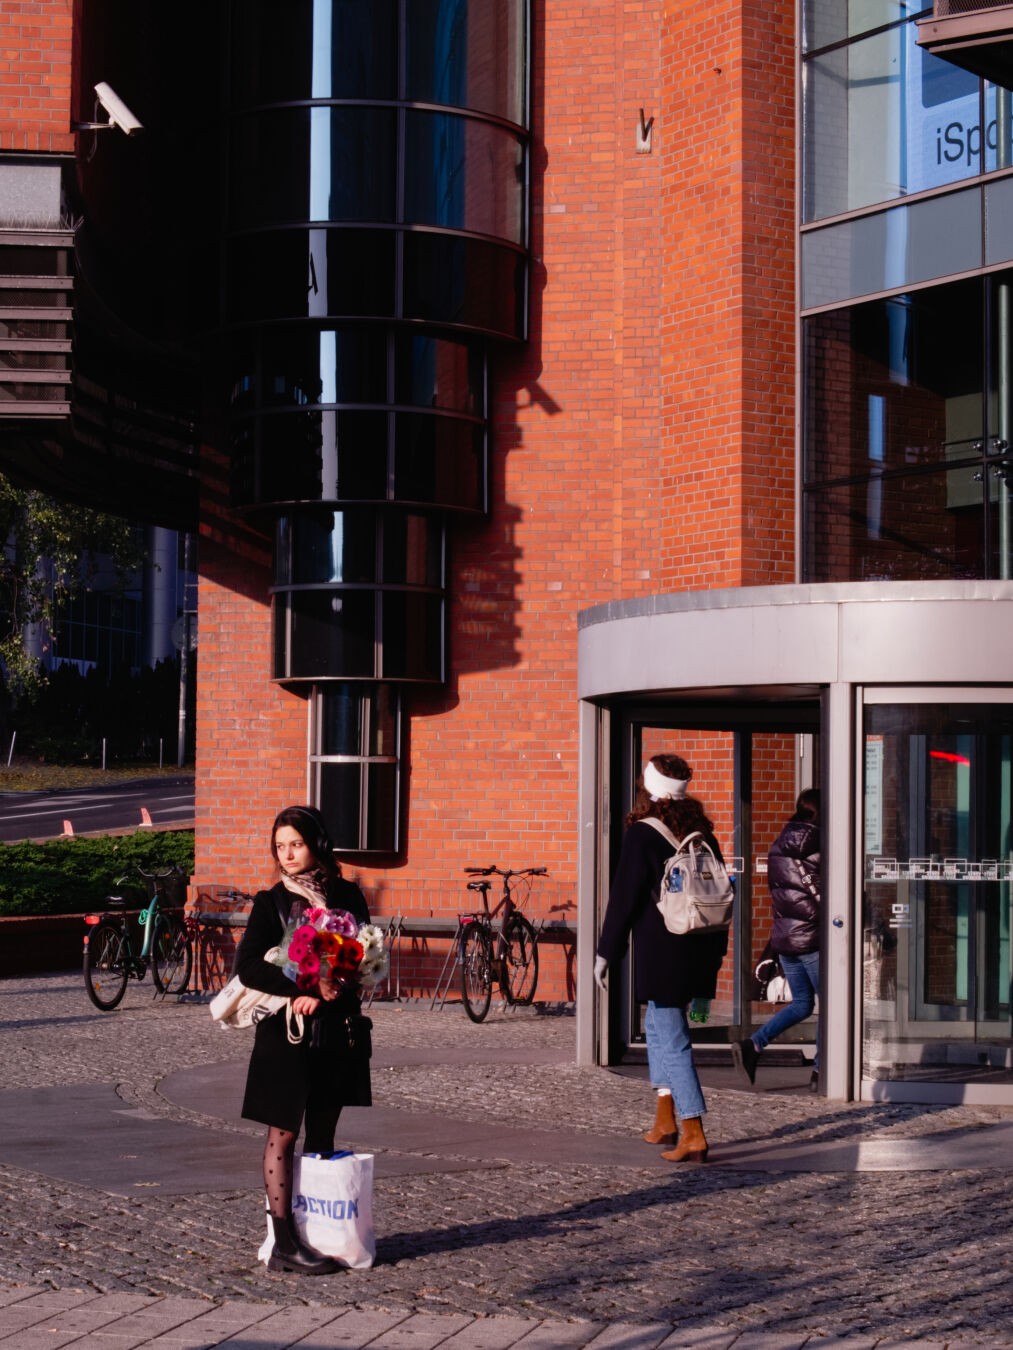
x=507, y=872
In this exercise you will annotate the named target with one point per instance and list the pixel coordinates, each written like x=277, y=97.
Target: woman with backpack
x=670, y=970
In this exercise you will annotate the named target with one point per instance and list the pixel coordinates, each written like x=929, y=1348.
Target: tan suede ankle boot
x=692, y=1142
x=665, y=1127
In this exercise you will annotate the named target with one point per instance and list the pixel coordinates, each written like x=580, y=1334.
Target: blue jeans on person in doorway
x=670, y=1058
x=803, y=976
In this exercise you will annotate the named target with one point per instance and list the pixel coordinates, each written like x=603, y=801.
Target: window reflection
x=464, y=281
x=313, y=164
x=883, y=119
x=322, y=49
x=304, y=272
x=827, y=21
x=438, y=373
x=920, y=527
x=467, y=53
x=907, y=434
x=885, y=385
x=464, y=174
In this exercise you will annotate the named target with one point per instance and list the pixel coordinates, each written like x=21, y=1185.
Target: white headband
x=658, y=786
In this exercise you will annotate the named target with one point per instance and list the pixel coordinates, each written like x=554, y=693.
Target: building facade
x=549, y=384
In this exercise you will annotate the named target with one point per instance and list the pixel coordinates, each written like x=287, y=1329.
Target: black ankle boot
x=291, y=1253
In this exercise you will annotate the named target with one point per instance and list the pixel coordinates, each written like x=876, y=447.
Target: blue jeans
x=670, y=1058
x=803, y=976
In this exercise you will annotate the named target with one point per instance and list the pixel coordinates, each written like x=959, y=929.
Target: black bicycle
x=110, y=959
x=507, y=955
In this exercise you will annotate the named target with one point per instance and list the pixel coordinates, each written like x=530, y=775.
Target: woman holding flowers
x=309, y=939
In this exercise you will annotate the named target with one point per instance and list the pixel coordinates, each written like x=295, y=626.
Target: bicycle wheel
x=476, y=972
x=105, y=966
x=520, y=960
x=171, y=956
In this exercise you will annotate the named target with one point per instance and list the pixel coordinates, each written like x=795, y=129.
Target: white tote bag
x=332, y=1205
x=238, y=1006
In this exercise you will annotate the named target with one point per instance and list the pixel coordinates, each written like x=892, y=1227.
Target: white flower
x=371, y=938
x=372, y=968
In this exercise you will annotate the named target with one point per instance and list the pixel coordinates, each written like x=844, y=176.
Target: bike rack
x=445, y=979
x=446, y=976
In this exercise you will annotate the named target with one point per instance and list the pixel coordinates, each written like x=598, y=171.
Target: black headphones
x=313, y=828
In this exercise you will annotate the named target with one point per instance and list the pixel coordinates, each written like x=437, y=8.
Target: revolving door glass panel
x=938, y=794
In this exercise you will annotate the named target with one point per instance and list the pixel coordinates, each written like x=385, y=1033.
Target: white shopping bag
x=332, y=1205
x=778, y=990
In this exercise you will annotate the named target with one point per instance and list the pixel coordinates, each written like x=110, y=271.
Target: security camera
x=119, y=114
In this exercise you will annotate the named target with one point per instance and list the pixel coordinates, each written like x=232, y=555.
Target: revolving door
x=937, y=876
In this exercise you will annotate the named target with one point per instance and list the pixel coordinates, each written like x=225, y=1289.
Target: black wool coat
x=330, y=1067
x=669, y=969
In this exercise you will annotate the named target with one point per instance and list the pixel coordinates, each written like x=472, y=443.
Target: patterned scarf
x=311, y=887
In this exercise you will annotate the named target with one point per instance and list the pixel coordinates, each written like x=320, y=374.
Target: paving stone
x=54, y=1306
x=66, y=1325
x=699, y=1338
x=557, y=1336
x=216, y=1326
x=352, y=1330
x=14, y=1294
x=628, y=1336
x=769, y=1340
x=490, y=1333
x=841, y=1343
x=282, y=1327
x=574, y=1253
x=423, y=1331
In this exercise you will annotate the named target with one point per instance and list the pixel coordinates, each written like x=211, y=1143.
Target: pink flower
x=301, y=943
x=341, y=922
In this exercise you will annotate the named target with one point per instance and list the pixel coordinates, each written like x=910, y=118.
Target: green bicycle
x=109, y=956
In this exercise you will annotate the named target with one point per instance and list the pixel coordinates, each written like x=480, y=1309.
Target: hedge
x=69, y=876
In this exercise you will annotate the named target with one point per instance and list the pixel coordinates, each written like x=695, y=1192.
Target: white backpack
x=696, y=894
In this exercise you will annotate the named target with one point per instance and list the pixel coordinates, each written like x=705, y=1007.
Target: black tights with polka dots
x=279, y=1155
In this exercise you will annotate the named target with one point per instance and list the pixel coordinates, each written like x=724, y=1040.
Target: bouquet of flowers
x=331, y=945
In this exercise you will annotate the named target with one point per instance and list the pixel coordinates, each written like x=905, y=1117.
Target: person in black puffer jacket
x=793, y=876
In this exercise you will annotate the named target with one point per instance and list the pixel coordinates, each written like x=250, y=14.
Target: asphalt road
x=45, y=815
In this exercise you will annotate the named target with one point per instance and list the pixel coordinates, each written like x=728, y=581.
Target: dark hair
x=682, y=815
x=311, y=825
x=808, y=805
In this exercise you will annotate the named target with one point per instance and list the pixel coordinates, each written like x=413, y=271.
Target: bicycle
x=109, y=956
x=508, y=957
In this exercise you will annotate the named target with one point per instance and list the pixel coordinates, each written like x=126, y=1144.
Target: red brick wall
x=35, y=61
x=251, y=734
x=636, y=442
x=727, y=274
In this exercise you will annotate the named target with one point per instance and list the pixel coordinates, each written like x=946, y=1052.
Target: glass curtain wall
x=907, y=436
x=907, y=354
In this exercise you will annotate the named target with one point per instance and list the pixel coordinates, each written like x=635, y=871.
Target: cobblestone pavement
x=874, y=1257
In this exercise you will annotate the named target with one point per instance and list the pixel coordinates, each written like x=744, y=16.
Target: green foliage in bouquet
x=69, y=876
